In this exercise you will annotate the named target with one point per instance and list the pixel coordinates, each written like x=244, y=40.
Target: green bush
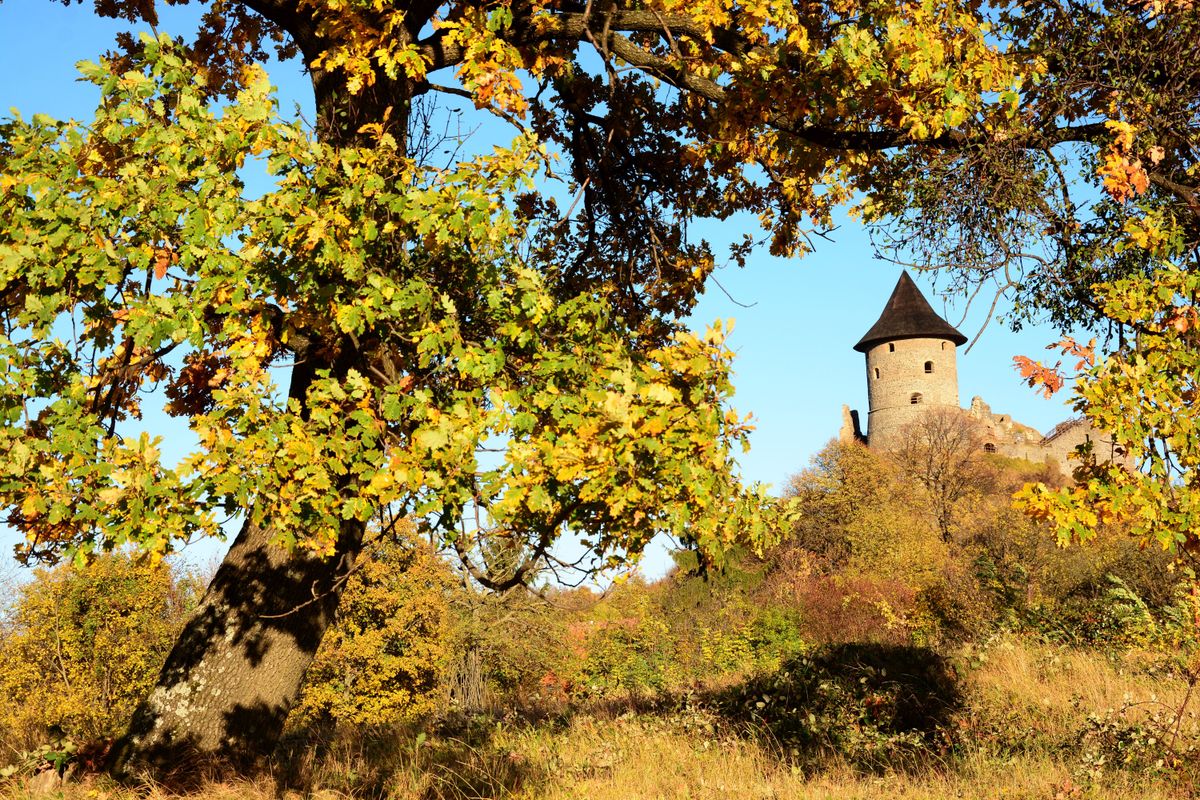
x=776, y=636
x=871, y=705
x=627, y=652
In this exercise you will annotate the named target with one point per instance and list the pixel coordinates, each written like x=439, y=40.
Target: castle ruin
x=912, y=371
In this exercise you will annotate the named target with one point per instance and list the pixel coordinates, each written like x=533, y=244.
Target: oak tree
x=493, y=346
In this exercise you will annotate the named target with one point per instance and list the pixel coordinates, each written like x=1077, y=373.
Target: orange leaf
x=1048, y=379
x=162, y=260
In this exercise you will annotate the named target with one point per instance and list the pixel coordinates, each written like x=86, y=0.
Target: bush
x=385, y=658
x=840, y=609
x=1154, y=740
x=83, y=645
x=872, y=705
x=629, y=652
x=513, y=649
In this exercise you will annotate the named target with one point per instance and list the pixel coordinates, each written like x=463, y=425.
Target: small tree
x=857, y=515
x=842, y=480
x=940, y=451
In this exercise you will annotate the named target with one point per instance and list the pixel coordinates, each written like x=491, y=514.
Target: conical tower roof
x=908, y=315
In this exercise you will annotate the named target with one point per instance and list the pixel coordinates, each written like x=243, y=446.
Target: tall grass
x=1031, y=726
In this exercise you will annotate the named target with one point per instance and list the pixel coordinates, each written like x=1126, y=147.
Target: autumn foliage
x=81, y=646
x=387, y=658
x=867, y=563
x=470, y=350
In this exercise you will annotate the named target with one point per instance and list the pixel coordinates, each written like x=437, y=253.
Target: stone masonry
x=911, y=371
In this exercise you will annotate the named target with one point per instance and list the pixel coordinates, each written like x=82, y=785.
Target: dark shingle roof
x=908, y=315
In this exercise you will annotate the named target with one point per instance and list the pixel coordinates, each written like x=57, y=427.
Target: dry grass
x=669, y=766
x=1056, y=676
x=1029, y=697
x=1026, y=705
x=623, y=759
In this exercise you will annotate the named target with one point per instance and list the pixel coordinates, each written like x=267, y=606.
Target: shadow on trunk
x=235, y=672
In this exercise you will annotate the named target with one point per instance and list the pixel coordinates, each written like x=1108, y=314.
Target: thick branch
x=1186, y=193
x=605, y=31
x=521, y=572
x=301, y=27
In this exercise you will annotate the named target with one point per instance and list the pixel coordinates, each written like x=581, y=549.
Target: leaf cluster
x=134, y=262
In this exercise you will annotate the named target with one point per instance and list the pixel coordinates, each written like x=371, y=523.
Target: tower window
x=915, y=399
x=943, y=345
x=989, y=447
x=891, y=347
x=928, y=367
x=877, y=373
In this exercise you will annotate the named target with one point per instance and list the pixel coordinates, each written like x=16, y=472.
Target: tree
x=466, y=345
x=1092, y=183
x=421, y=336
x=857, y=516
x=941, y=452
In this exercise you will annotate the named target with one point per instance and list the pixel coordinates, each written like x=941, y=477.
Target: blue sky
x=796, y=320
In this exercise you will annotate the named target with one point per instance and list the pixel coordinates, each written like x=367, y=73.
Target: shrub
x=776, y=636
x=872, y=705
x=838, y=609
x=84, y=644
x=1150, y=738
x=630, y=651
x=512, y=649
x=385, y=658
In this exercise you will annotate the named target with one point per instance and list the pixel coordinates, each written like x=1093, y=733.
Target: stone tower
x=911, y=366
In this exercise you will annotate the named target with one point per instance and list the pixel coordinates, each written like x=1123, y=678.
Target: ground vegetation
x=829, y=666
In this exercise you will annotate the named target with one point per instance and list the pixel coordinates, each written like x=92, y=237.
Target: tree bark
x=235, y=671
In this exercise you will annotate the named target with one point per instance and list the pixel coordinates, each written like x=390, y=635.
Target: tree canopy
x=495, y=345
x=433, y=313
x=136, y=261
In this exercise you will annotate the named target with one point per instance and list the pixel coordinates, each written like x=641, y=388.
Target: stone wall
x=901, y=372
x=1000, y=433
x=1006, y=435
x=1010, y=438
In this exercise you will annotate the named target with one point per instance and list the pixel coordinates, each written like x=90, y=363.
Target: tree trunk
x=235, y=671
